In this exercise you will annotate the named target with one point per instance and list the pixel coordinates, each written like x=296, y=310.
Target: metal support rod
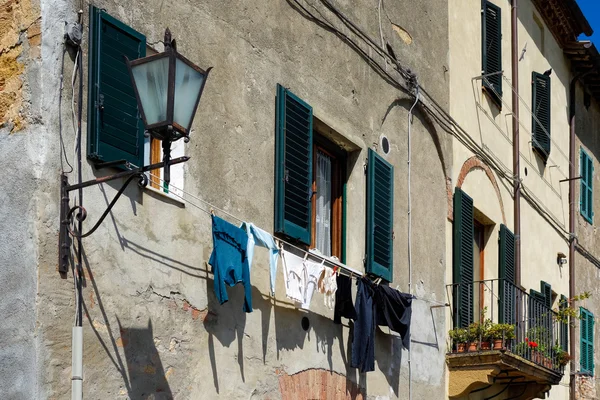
x=125, y=174
x=66, y=213
x=569, y=179
x=166, y=145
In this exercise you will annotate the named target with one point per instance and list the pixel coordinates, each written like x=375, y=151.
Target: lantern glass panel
x=152, y=82
x=188, y=83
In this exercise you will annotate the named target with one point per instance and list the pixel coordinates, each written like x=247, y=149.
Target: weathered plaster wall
x=152, y=325
x=587, y=260
x=22, y=158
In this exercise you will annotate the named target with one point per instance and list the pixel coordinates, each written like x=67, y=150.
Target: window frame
x=587, y=185
x=338, y=181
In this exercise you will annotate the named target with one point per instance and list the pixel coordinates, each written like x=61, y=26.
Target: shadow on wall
x=147, y=378
x=143, y=376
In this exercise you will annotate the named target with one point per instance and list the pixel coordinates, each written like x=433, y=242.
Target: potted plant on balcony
x=475, y=332
x=562, y=357
x=459, y=339
x=486, y=334
x=500, y=333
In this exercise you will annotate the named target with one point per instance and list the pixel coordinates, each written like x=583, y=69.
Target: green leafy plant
x=501, y=331
x=475, y=332
x=458, y=335
x=566, y=309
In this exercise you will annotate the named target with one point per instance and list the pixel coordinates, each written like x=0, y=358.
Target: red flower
x=527, y=339
x=533, y=344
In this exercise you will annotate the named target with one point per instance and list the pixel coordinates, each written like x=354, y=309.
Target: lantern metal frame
x=168, y=129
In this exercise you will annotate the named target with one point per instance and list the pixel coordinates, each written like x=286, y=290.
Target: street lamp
x=168, y=87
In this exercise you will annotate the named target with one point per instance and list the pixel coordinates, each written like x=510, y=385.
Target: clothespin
x=212, y=212
x=305, y=256
x=335, y=268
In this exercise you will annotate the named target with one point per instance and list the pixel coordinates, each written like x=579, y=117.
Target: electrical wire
x=63, y=151
x=349, y=271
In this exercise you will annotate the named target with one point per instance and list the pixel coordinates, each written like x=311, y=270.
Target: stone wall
x=152, y=325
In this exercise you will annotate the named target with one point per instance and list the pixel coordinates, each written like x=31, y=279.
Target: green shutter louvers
x=492, y=50
x=115, y=130
x=506, y=265
x=586, y=341
x=380, y=217
x=293, y=166
x=462, y=258
x=541, y=109
x=586, y=192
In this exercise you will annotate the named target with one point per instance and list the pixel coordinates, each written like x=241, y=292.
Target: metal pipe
x=410, y=117
x=515, y=129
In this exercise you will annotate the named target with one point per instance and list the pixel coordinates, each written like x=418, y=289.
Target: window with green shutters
x=380, y=217
x=293, y=159
x=586, y=199
x=506, y=273
x=115, y=129
x=463, y=236
x=586, y=356
x=541, y=140
x=491, y=21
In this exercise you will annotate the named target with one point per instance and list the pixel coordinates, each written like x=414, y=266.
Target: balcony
x=506, y=342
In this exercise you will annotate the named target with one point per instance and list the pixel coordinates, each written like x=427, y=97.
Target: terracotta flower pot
x=497, y=344
x=486, y=345
x=460, y=347
x=472, y=346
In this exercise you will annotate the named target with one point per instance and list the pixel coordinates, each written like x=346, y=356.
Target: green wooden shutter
x=541, y=108
x=492, y=49
x=586, y=341
x=380, y=217
x=462, y=258
x=293, y=166
x=586, y=171
x=115, y=129
x=547, y=292
x=507, y=276
x=564, y=326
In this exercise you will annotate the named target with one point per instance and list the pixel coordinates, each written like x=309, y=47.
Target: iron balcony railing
x=539, y=335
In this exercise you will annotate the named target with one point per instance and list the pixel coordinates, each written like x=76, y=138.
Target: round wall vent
x=385, y=145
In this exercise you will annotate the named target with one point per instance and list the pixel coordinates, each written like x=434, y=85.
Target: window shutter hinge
x=366, y=165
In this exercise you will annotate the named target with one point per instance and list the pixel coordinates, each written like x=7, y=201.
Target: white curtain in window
x=323, y=217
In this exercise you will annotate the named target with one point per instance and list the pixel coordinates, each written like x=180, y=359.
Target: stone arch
x=318, y=384
x=468, y=166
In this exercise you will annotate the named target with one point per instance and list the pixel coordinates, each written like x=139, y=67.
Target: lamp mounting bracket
x=67, y=213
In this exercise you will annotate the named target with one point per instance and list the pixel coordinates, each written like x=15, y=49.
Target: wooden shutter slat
x=541, y=108
x=293, y=170
x=506, y=273
x=115, y=130
x=492, y=49
x=380, y=216
x=463, y=236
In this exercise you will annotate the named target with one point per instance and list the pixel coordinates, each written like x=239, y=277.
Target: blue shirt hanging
x=229, y=260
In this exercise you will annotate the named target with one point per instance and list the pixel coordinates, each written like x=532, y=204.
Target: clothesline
x=351, y=272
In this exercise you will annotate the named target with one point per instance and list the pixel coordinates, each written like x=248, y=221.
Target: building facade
x=585, y=118
x=509, y=82
x=152, y=325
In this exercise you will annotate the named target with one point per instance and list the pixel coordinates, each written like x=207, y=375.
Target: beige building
x=509, y=80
